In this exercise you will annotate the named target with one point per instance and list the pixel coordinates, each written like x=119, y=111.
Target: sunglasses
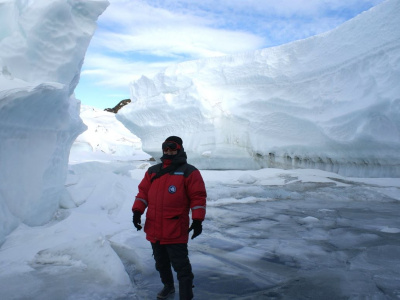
x=170, y=145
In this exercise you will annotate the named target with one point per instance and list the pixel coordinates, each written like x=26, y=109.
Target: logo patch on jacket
x=172, y=189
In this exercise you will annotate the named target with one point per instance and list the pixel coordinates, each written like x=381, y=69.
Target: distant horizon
x=140, y=37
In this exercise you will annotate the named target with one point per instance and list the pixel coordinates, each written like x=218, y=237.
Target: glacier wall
x=330, y=102
x=42, y=47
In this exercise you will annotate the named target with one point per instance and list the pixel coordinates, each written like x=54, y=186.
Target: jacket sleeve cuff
x=198, y=213
x=139, y=205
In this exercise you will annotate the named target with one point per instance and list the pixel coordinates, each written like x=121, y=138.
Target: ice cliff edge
x=42, y=47
x=330, y=102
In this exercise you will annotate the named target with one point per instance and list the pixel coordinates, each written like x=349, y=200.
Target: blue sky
x=142, y=37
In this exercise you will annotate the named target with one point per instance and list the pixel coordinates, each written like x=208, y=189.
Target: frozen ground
x=269, y=234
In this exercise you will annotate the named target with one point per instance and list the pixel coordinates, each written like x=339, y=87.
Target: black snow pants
x=176, y=255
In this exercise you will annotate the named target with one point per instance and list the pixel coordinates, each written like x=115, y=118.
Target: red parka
x=168, y=200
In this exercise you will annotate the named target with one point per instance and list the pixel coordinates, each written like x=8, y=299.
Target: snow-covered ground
x=268, y=234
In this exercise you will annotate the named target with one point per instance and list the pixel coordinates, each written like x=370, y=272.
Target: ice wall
x=42, y=47
x=330, y=102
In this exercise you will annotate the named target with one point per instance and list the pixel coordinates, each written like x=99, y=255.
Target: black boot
x=166, y=291
x=185, y=290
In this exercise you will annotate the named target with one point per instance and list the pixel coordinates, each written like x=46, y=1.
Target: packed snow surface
x=330, y=102
x=42, y=46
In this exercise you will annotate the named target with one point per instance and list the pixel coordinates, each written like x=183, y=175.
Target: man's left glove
x=136, y=220
x=196, y=227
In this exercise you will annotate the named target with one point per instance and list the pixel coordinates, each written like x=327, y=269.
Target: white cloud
x=117, y=72
x=137, y=26
x=286, y=8
x=173, y=41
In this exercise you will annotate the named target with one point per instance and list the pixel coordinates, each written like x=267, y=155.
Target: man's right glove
x=136, y=220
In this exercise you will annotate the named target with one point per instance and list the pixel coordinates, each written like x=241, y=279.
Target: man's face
x=170, y=152
x=170, y=148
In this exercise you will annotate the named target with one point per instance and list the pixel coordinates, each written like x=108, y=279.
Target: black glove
x=197, y=228
x=136, y=220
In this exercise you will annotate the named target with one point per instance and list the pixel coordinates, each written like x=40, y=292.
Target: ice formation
x=42, y=47
x=330, y=102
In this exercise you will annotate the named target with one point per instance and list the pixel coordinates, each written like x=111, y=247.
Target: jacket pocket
x=172, y=227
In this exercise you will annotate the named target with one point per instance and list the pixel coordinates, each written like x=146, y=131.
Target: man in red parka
x=169, y=190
